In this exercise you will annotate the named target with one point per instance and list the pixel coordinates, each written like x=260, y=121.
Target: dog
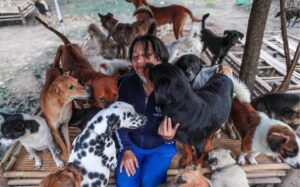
x=191, y=65
x=32, y=132
x=173, y=14
x=200, y=113
x=106, y=48
x=43, y=10
x=281, y=106
x=225, y=168
x=261, y=134
x=190, y=178
x=219, y=46
x=94, y=150
x=104, y=88
x=125, y=33
x=70, y=176
x=56, y=103
x=290, y=13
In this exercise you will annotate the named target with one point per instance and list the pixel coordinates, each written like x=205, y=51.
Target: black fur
x=291, y=13
x=279, y=106
x=200, y=112
x=191, y=65
x=80, y=117
x=42, y=8
x=219, y=46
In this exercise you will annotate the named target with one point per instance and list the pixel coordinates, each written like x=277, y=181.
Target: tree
x=256, y=27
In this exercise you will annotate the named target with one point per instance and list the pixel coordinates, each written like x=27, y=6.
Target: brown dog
x=174, y=14
x=71, y=176
x=56, y=103
x=104, y=87
x=125, y=33
x=190, y=178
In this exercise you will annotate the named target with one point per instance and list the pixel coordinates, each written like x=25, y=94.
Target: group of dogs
x=208, y=98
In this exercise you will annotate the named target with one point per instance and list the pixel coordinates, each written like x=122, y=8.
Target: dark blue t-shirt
x=131, y=91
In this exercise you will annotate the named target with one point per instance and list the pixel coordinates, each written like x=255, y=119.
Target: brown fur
x=174, y=14
x=69, y=177
x=190, y=178
x=56, y=103
x=125, y=33
x=245, y=118
x=104, y=87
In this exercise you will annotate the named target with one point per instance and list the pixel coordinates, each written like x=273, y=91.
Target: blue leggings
x=153, y=166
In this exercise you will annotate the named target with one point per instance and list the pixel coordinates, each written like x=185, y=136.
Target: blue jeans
x=153, y=166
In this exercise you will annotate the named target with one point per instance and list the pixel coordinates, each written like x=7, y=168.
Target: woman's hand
x=129, y=162
x=166, y=130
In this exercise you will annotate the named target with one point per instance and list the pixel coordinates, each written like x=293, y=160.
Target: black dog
x=281, y=106
x=291, y=13
x=191, y=65
x=219, y=46
x=199, y=113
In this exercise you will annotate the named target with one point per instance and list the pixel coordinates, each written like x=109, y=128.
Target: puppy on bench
x=104, y=87
x=32, y=132
x=174, y=14
x=125, y=33
x=219, y=46
x=56, y=103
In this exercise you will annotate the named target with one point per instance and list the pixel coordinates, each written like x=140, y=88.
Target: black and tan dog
x=125, y=33
x=281, y=106
x=218, y=45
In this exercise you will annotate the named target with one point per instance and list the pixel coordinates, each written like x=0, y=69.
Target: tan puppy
x=69, y=177
x=56, y=103
x=190, y=178
x=225, y=169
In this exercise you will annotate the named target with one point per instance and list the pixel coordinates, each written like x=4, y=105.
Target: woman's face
x=140, y=58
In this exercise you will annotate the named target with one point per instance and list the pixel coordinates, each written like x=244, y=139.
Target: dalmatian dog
x=94, y=150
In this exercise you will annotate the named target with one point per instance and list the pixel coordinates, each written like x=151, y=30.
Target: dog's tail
x=144, y=9
x=60, y=35
x=278, y=14
x=241, y=91
x=193, y=18
x=203, y=20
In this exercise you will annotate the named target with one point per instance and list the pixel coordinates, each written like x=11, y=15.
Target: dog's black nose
x=88, y=90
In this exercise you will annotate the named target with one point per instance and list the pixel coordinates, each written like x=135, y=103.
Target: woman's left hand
x=166, y=130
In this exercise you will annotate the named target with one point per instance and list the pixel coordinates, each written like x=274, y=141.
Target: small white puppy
x=225, y=169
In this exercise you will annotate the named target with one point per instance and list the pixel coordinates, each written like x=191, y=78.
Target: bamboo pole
x=24, y=182
x=26, y=174
x=8, y=154
x=14, y=158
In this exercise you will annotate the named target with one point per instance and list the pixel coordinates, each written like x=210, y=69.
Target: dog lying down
x=226, y=173
x=33, y=133
x=190, y=178
x=94, y=150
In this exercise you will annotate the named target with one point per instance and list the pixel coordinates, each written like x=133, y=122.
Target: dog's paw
x=252, y=161
x=59, y=164
x=274, y=157
x=242, y=160
x=38, y=164
x=233, y=135
x=218, y=134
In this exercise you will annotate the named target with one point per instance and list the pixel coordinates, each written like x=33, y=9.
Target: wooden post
x=22, y=16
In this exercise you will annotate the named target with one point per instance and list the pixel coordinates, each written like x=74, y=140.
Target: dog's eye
x=71, y=87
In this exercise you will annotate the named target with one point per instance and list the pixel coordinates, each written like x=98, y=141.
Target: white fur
x=40, y=140
x=92, y=162
x=241, y=91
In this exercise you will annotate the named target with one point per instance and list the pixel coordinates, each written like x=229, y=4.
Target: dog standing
x=281, y=106
x=33, y=133
x=125, y=33
x=260, y=134
x=225, y=169
x=290, y=13
x=219, y=46
x=174, y=14
x=94, y=150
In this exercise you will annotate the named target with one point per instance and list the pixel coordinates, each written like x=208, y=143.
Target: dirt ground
x=27, y=51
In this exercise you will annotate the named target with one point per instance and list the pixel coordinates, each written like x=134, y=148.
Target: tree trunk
x=256, y=27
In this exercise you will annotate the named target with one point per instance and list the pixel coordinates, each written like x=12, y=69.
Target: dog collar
x=112, y=31
x=225, y=167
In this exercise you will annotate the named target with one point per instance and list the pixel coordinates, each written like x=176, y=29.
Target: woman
x=145, y=153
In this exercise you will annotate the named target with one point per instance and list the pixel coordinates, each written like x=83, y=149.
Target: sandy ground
x=27, y=51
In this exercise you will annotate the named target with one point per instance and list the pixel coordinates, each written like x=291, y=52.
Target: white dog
x=33, y=133
x=225, y=169
x=94, y=150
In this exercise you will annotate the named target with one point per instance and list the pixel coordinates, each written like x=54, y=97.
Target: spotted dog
x=94, y=150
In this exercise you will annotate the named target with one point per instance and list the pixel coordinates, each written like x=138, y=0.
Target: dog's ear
x=110, y=15
x=226, y=32
x=162, y=93
x=241, y=35
x=100, y=15
x=275, y=139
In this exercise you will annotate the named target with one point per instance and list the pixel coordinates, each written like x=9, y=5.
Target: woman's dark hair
x=159, y=48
